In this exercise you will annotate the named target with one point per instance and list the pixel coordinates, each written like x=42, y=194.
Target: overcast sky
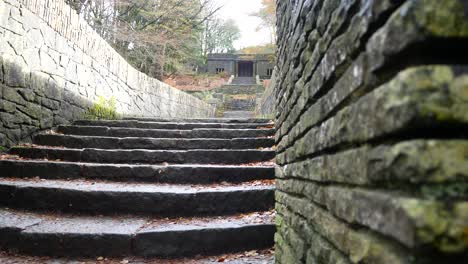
x=239, y=10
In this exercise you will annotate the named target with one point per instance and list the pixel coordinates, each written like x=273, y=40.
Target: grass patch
x=103, y=109
x=3, y=149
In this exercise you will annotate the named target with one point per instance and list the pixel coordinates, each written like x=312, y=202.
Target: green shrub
x=102, y=109
x=220, y=111
x=3, y=149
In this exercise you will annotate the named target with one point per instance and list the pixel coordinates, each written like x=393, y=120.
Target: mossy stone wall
x=372, y=131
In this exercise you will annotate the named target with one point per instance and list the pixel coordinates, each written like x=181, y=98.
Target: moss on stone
x=439, y=225
x=103, y=109
x=442, y=18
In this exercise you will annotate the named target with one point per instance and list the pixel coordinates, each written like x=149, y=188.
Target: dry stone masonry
x=372, y=121
x=53, y=66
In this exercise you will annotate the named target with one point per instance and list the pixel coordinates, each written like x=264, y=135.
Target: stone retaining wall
x=265, y=106
x=53, y=66
x=372, y=121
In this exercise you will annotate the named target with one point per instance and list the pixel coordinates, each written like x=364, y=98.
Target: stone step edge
x=176, y=174
x=208, y=129
x=202, y=120
x=168, y=125
x=149, y=138
x=141, y=156
x=74, y=141
x=108, y=198
x=59, y=235
x=164, y=133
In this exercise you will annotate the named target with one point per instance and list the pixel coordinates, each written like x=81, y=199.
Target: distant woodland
x=163, y=37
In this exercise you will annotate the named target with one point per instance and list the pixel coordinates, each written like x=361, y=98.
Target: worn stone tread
x=201, y=120
x=168, y=125
x=73, y=235
x=71, y=141
x=110, y=198
x=253, y=256
x=146, y=156
x=187, y=173
x=165, y=133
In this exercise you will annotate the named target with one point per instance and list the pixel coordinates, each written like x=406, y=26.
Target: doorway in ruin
x=245, y=68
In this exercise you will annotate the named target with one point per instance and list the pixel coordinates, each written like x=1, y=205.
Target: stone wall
x=53, y=66
x=265, y=106
x=372, y=121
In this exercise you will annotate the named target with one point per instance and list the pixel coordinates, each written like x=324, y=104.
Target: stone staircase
x=140, y=187
x=244, y=81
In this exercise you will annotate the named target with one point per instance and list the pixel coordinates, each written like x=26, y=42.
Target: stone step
x=168, y=125
x=177, y=174
x=80, y=236
x=238, y=113
x=202, y=120
x=71, y=141
x=98, y=197
x=250, y=256
x=145, y=156
x=164, y=133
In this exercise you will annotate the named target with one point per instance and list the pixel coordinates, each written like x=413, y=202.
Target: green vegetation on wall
x=103, y=109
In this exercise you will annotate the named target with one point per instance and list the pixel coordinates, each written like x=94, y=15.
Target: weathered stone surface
x=182, y=174
x=169, y=125
x=125, y=198
x=151, y=143
x=190, y=240
x=316, y=247
x=265, y=106
x=412, y=221
x=13, y=73
x=136, y=156
x=370, y=139
x=405, y=104
x=194, y=133
x=201, y=120
x=359, y=246
x=412, y=162
x=81, y=236
x=328, y=51
x=402, y=32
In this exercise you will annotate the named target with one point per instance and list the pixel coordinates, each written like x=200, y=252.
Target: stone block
x=401, y=32
x=9, y=120
x=404, y=104
x=414, y=222
x=6, y=106
x=50, y=104
x=360, y=246
x=411, y=162
x=32, y=110
x=14, y=74
x=27, y=94
x=12, y=95
x=53, y=91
